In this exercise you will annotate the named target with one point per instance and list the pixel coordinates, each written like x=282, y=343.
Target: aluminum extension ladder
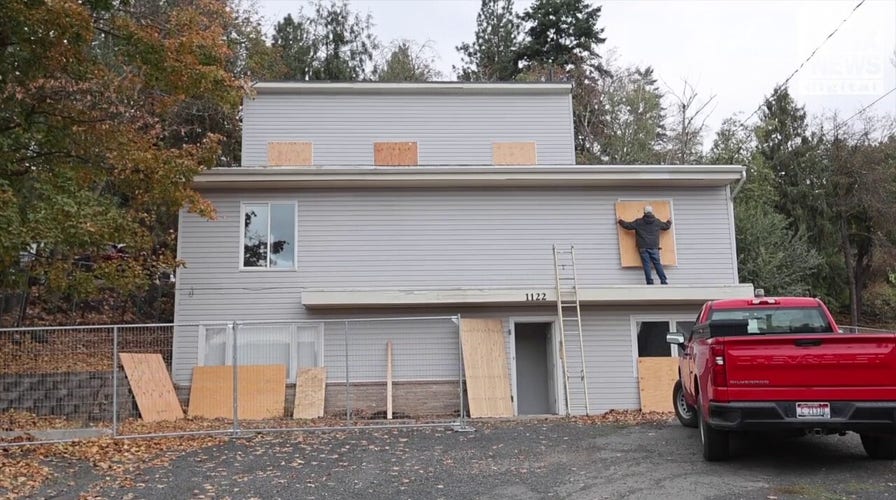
x=568, y=305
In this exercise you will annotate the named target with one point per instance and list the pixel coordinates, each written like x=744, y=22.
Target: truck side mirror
x=676, y=338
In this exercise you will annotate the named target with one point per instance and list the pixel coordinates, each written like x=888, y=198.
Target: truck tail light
x=717, y=361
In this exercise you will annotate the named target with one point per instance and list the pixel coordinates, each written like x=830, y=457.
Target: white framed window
x=295, y=345
x=649, y=336
x=268, y=235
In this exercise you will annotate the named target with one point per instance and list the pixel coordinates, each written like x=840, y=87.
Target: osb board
x=630, y=210
x=311, y=384
x=290, y=154
x=514, y=153
x=261, y=393
x=152, y=387
x=395, y=154
x=656, y=377
x=485, y=367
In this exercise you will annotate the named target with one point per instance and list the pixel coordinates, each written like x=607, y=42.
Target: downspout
x=740, y=183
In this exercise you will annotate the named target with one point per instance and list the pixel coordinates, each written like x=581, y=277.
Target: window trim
x=319, y=360
x=242, y=230
x=670, y=319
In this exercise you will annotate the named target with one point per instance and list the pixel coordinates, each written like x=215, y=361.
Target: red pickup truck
x=782, y=364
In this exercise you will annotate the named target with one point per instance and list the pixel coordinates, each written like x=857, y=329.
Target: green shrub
x=879, y=302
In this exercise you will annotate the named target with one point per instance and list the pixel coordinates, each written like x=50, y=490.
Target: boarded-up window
x=514, y=153
x=630, y=210
x=290, y=154
x=395, y=154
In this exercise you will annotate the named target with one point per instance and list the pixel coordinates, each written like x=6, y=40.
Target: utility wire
x=797, y=70
x=859, y=112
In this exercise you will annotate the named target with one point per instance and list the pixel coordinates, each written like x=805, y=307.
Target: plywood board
x=630, y=210
x=485, y=367
x=290, y=154
x=514, y=153
x=152, y=387
x=395, y=154
x=311, y=384
x=656, y=378
x=261, y=393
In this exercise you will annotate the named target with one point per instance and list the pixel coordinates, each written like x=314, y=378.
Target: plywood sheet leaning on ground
x=656, y=377
x=485, y=368
x=152, y=387
x=395, y=154
x=514, y=153
x=311, y=384
x=290, y=154
x=262, y=392
x=630, y=210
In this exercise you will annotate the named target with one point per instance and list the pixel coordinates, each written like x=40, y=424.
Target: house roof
x=356, y=88
x=469, y=176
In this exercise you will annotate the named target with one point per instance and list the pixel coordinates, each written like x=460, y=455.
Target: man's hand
x=669, y=222
x=619, y=221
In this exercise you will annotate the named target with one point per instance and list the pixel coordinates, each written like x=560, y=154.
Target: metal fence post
x=348, y=406
x=236, y=418
x=114, y=380
x=460, y=373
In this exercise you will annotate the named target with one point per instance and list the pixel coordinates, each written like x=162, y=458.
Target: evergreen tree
x=334, y=43
x=406, y=62
x=634, y=118
x=562, y=34
x=295, y=47
x=492, y=55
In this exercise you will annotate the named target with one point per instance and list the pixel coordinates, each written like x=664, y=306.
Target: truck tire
x=686, y=413
x=715, y=442
x=879, y=446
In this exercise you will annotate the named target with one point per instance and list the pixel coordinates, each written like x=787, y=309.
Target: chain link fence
x=62, y=383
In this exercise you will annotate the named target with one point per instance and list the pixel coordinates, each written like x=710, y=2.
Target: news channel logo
x=857, y=60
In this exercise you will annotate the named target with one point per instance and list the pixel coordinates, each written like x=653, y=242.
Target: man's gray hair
x=648, y=209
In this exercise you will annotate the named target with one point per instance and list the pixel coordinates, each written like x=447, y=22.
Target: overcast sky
x=735, y=50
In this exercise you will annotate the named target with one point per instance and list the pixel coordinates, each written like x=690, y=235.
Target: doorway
x=535, y=368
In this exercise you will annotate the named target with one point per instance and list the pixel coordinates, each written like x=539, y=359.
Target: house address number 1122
x=536, y=297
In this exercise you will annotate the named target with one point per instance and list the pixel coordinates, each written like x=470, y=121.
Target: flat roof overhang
x=609, y=295
x=470, y=176
x=406, y=88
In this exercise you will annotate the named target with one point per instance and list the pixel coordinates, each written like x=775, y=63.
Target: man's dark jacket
x=647, y=230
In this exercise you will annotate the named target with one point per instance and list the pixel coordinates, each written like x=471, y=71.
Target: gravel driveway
x=501, y=460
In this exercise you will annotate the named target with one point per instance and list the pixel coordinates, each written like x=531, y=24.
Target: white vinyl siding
x=451, y=129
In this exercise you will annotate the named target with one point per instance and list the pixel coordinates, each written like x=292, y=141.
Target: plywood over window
x=290, y=154
x=261, y=392
x=514, y=153
x=656, y=377
x=395, y=154
x=485, y=367
x=630, y=210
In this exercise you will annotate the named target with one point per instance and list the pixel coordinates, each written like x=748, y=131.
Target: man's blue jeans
x=649, y=255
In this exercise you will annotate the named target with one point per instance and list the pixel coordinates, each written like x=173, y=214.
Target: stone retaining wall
x=75, y=396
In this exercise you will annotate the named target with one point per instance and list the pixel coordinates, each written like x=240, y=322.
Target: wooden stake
x=389, y=380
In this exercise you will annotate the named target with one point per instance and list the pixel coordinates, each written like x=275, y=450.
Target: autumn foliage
x=108, y=109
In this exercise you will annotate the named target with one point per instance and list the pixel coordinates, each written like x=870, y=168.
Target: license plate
x=813, y=410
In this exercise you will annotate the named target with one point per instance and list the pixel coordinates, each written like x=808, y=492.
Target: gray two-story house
x=393, y=200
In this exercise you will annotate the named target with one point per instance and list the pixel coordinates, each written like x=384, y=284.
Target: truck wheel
x=686, y=413
x=879, y=446
x=715, y=442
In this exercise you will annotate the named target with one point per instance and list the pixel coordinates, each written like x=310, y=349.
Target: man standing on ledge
x=647, y=237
